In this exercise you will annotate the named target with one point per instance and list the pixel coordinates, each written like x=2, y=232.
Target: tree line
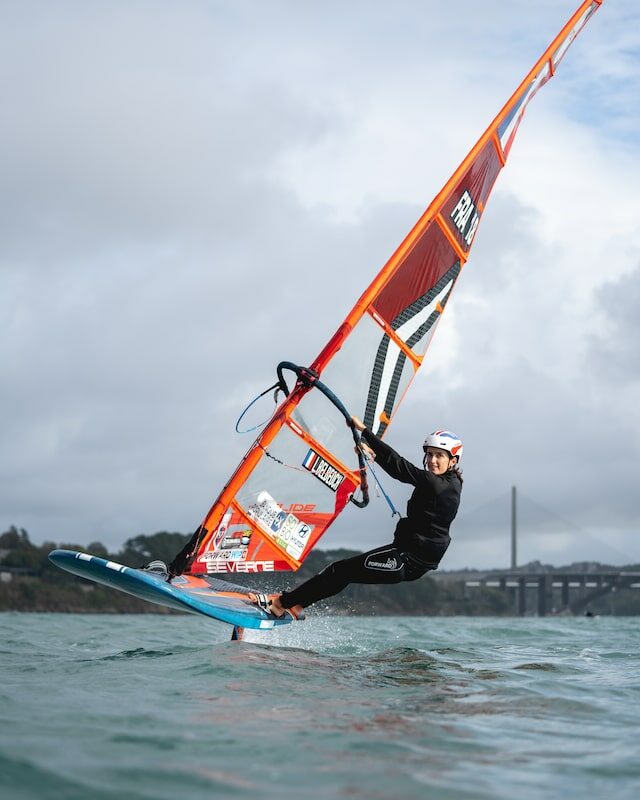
x=37, y=585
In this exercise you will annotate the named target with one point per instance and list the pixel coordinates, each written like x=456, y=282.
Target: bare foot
x=296, y=611
x=276, y=607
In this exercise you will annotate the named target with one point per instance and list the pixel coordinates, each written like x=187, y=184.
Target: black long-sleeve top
x=431, y=509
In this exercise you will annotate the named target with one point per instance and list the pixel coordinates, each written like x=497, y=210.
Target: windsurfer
x=421, y=538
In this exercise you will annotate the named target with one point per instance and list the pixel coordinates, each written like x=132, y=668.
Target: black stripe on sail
x=416, y=307
x=415, y=337
x=383, y=350
x=393, y=391
x=376, y=378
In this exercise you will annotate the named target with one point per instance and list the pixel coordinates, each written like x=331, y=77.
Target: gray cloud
x=615, y=346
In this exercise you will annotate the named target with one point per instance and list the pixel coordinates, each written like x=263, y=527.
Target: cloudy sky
x=194, y=191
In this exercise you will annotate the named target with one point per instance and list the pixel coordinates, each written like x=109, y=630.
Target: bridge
x=536, y=592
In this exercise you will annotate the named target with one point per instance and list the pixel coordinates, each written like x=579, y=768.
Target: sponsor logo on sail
x=240, y=566
x=465, y=217
x=323, y=470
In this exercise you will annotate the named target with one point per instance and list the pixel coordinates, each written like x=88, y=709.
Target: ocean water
x=166, y=707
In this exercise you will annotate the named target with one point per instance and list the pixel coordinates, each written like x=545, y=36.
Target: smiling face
x=438, y=461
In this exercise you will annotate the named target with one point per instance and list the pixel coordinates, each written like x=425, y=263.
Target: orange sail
x=301, y=472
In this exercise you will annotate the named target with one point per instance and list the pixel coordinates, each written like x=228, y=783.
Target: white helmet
x=445, y=440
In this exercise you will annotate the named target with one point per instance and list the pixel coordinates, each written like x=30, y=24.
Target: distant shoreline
x=29, y=583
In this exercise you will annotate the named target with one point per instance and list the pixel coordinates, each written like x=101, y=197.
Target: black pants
x=385, y=564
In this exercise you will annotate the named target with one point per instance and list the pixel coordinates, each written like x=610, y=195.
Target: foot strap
x=262, y=601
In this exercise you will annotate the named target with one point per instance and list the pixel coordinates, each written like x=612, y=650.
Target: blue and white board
x=204, y=595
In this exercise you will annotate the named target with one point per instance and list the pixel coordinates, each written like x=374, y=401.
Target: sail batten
x=269, y=517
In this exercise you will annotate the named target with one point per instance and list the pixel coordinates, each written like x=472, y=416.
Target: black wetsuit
x=420, y=540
